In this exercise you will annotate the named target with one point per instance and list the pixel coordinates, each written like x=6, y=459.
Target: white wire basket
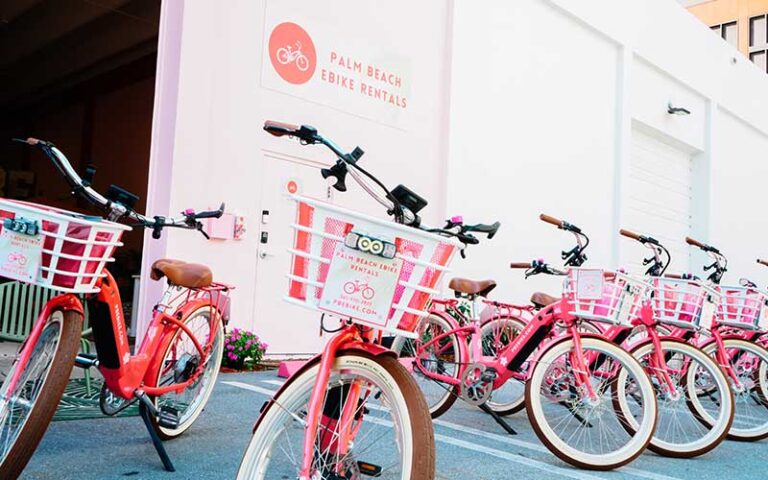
x=683, y=303
x=330, y=273
x=603, y=295
x=55, y=248
x=743, y=307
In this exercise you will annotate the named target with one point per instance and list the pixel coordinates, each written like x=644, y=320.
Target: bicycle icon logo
x=366, y=291
x=17, y=258
x=286, y=55
x=292, y=53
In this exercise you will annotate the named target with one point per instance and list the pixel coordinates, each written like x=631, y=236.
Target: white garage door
x=656, y=201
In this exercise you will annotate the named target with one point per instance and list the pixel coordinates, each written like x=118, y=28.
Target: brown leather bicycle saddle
x=183, y=274
x=471, y=287
x=541, y=300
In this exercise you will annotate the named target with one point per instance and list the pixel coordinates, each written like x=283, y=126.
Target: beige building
x=743, y=23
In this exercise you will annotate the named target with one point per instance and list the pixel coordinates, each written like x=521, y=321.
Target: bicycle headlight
x=374, y=246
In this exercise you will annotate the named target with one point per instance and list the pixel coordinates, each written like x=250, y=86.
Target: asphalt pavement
x=470, y=446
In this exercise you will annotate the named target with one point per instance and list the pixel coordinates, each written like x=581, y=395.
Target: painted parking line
x=636, y=472
x=575, y=474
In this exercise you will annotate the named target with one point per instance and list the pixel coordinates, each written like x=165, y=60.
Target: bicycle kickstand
x=506, y=426
x=145, y=410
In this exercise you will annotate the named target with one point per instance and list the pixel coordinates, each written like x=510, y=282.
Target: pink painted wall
x=213, y=148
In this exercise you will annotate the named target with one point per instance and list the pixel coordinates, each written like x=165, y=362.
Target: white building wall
x=227, y=89
x=548, y=127
x=515, y=108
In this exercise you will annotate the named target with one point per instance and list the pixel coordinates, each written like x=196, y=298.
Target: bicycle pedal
x=369, y=469
x=168, y=417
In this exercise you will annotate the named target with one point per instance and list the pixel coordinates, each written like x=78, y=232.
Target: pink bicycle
x=572, y=383
x=736, y=323
x=354, y=409
x=351, y=288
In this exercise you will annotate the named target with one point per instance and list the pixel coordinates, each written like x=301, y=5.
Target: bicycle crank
x=477, y=384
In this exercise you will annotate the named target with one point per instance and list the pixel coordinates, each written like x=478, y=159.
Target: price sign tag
x=707, y=315
x=20, y=255
x=360, y=285
x=589, y=284
x=762, y=324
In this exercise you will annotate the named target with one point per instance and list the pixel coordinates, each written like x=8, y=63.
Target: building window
x=758, y=41
x=729, y=32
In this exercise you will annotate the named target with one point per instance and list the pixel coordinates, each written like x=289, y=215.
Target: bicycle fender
x=369, y=348
x=67, y=302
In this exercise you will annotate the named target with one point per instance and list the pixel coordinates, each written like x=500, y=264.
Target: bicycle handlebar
x=551, y=220
x=525, y=265
x=762, y=262
x=629, y=234
x=115, y=210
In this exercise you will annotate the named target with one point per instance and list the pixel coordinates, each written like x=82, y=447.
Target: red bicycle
x=174, y=370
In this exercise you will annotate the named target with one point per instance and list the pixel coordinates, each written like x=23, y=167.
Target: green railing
x=20, y=305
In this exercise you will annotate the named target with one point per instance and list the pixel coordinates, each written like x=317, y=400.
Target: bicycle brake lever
x=199, y=227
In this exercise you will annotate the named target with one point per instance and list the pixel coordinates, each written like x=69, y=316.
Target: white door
x=288, y=329
x=656, y=201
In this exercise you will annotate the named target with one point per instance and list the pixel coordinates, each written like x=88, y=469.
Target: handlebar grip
x=632, y=235
x=211, y=214
x=525, y=265
x=762, y=262
x=551, y=220
x=694, y=242
x=278, y=129
x=674, y=276
x=489, y=230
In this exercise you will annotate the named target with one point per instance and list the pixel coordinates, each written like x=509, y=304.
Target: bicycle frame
x=125, y=373
x=514, y=354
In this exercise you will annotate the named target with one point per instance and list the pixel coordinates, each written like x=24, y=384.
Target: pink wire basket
x=603, y=295
x=683, y=303
x=61, y=250
x=332, y=274
x=743, y=307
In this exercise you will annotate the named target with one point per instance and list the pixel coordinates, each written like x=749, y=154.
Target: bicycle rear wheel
x=179, y=357
x=26, y=412
x=497, y=334
x=391, y=424
x=583, y=431
x=442, y=358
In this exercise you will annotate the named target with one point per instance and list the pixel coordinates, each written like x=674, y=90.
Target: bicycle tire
x=50, y=393
x=388, y=368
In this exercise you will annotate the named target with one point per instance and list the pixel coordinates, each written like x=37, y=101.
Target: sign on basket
x=360, y=285
x=589, y=284
x=20, y=255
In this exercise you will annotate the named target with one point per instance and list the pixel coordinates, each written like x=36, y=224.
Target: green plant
x=243, y=349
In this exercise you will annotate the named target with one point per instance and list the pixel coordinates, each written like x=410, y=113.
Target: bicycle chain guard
x=477, y=384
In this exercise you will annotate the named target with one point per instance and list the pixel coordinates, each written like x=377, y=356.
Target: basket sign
x=589, y=284
x=360, y=285
x=20, y=255
x=762, y=323
x=707, y=314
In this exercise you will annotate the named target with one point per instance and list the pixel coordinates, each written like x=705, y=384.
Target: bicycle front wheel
x=391, y=428
x=694, y=399
x=26, y=411
x=749, y=384
x=582, y=429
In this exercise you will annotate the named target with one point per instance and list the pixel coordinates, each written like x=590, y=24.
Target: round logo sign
x=292, y=53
